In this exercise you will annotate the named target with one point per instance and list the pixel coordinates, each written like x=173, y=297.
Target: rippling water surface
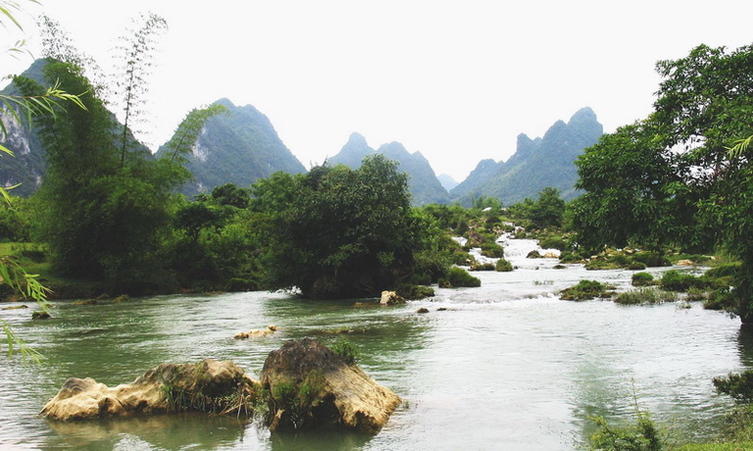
x=505, y=365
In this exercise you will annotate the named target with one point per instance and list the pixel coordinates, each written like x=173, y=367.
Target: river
x=504, y=366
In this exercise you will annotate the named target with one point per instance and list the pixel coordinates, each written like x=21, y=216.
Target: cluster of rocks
x=303, y=384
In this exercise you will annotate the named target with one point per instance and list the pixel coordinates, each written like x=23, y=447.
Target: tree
x=132, y=83
x=635, y=191
x=13, y=274
x=337, y=232
x=548, y=209
x=101, y=215
x=682, y=185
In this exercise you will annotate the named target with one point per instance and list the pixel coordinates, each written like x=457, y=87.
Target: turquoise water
x=504, y=365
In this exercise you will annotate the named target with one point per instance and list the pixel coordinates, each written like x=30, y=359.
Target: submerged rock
x=208, y=386
x=311, y=386
x=256, y=333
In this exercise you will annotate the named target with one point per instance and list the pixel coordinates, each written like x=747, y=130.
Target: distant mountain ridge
x=240, y=147
x=424, y=186
x=537, y=163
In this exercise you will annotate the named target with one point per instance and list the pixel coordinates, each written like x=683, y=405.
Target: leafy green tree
x=231, y=195
x=337, y=232
x=635, y=191
x=683, y=183
x=548, y=209
x=102, y=219
x=12, y=274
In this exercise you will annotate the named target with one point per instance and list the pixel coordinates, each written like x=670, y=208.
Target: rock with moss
x=391, y=298
x=310, y=386
x=208, y=386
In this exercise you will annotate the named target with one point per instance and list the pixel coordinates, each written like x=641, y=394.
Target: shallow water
x=505, y=365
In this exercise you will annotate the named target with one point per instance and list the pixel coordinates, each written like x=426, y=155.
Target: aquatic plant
x=584, y=290
x=503, y=265
x=644, y=295
x=346, y=351
x=642, y=279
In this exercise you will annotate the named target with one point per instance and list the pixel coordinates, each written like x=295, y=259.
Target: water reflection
x=745, y=344
x=319, y=440
x=161, y=431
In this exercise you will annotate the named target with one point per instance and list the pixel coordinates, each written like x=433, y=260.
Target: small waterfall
x=516, y=251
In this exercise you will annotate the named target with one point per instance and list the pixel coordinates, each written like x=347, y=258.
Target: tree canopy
x=671, y=179
x=337, y=232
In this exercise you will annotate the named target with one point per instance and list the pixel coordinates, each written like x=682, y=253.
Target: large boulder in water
x=209, y=386
x=310, y=386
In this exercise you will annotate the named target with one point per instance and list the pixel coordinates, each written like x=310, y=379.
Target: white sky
x=457, y=81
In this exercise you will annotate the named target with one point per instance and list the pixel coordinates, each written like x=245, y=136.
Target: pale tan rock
x=685, y=263
x=390, y=298
x=343, y=395
x=80, y=399
x=257, y=333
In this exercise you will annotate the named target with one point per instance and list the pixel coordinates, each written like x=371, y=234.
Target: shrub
x=596, y=264
x=643, y=296
x=584, y=290
x=641, y=436
x=503, y=265
x=642, y=279
x=570, y=257
x=738, y=386
x=722, y=271
x=415, y=292
x=722, y=299
x=482, y=267
x=492, y=250
x=346, y=351
x=553, y=243
x=674, y=280
x=651, y=259
x=459, y=277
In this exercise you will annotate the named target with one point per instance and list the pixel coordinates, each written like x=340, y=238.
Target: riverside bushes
x=459, y=277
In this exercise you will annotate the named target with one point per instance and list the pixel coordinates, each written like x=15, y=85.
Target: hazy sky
x=457, y=81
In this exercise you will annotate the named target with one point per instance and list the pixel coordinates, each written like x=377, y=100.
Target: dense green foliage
x=547, y=210
x=337, y=232
x=671, y=179
x=644, y=435
x=100, y=211
x=738, y=386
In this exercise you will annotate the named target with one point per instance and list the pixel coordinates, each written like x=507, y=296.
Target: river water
x=504, y=366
